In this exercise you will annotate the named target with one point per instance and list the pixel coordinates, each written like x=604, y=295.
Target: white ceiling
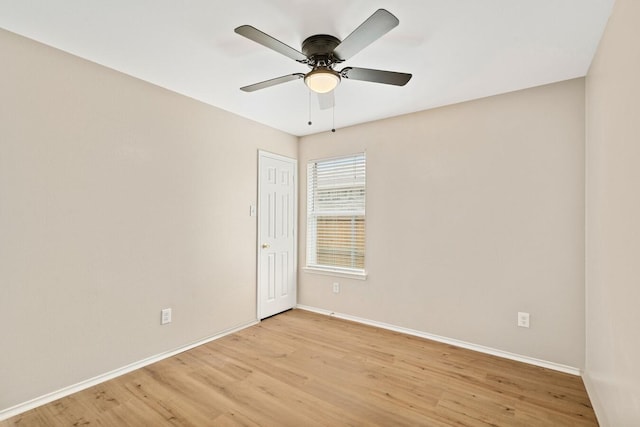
x=457, y=50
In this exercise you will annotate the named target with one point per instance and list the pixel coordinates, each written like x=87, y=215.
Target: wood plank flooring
x=304, y=369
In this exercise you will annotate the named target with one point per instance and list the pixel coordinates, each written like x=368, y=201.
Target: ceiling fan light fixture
x=322, y=80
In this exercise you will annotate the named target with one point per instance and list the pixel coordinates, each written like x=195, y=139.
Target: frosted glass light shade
x=322, y=80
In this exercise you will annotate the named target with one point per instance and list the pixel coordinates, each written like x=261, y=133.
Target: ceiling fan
x=321, y=52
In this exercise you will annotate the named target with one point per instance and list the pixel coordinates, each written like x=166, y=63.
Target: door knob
x=265, y=245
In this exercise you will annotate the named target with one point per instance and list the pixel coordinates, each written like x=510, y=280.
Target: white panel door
x=276, y=234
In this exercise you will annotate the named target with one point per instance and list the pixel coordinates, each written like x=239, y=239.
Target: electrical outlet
x=523, y=319
x=336, y=287
x=165, y=316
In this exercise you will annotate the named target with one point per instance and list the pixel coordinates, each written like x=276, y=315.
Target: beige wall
x=613, y=221
x=474, y=212
x=117, y=199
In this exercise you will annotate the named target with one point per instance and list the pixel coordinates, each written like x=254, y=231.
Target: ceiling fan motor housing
x=319, y=50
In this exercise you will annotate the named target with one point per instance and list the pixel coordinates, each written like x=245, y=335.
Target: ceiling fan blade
x=272, y=82
x=326, y=100
x=376, y=76
x=266, y=40
x=377, y=25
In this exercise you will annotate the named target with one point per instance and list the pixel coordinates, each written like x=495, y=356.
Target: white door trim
x=266, y=154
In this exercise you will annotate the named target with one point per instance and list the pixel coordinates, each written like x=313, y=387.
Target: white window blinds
x=336, y=213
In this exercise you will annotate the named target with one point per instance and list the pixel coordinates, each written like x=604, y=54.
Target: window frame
x=311, y=232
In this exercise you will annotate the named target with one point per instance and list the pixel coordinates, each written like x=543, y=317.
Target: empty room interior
x=454, y=241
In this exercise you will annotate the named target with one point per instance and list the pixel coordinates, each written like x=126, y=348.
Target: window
x=336, y=214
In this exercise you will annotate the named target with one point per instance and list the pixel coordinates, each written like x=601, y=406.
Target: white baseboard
x=475, y=347
x=66, y=391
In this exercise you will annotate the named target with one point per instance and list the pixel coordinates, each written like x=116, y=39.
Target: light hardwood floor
x=304, y=369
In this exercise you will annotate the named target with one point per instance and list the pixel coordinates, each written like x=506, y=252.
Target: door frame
x=266, y=154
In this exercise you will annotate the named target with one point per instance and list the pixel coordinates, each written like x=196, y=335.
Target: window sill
x=359, y=275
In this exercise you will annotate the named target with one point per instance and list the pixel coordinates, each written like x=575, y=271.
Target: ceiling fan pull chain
x=309, y=122
x=333, y=112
